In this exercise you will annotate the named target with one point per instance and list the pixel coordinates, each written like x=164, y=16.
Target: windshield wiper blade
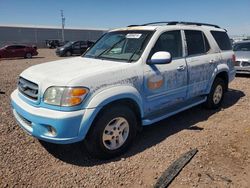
x=109, y=49
x=138, y=49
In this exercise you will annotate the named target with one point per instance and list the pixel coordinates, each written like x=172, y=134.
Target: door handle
x=181, y=68
x=212, y=61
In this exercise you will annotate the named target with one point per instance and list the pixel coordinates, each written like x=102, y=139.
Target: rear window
x=222, y=40
x=197, y=42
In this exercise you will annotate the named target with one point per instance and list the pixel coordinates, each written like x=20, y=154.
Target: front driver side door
x=76, y=48
x=165, y=85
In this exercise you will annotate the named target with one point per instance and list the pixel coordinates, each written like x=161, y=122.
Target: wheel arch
x=224, y=76
x=221, y=73
x=127, y=96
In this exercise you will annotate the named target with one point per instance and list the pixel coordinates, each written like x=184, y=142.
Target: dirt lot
x=222, y=138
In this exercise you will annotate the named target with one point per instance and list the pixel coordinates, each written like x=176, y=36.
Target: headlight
x=65, y=96
x=61, y=49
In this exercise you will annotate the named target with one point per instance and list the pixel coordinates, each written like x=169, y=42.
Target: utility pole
x=63, y=24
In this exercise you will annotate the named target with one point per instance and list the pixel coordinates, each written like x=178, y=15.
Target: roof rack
x=177, y=23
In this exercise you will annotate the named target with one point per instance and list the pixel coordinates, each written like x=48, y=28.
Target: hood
x=242, y=55
x=61, y=72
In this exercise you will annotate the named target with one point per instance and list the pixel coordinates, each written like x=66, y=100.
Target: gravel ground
x=222, y=138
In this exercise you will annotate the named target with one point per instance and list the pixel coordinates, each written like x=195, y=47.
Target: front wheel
x=216, y=95
x=68, y=53
x=112, y=132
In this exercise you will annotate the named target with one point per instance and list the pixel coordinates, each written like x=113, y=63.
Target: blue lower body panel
x=55, y=130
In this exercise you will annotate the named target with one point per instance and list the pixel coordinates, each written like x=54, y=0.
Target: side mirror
x=160, y=57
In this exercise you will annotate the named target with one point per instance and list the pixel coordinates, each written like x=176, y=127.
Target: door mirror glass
x=161, y=57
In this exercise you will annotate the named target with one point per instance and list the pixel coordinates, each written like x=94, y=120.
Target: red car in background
x=18, y=51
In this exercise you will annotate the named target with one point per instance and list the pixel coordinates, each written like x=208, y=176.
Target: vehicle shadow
x=151, y=135
x=243, y=75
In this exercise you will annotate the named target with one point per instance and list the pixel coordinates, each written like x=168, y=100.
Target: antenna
x=63, y=24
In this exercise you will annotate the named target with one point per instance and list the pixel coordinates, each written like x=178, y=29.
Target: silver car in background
x=242, y=53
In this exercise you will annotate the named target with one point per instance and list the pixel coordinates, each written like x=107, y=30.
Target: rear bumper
x=46, y=124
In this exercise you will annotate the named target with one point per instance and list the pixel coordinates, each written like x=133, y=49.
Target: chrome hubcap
x=217, y=94
x=115, y=133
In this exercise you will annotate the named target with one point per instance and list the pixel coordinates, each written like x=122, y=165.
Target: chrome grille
x=28, y=88
x=245, y=63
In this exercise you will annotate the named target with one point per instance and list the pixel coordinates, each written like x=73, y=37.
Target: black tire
x=211, y=103
x=68, y=53
x=94, y=140
x=28, y=55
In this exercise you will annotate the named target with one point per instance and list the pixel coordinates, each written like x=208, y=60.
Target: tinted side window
x=76, y=45
x=11, y=47
x=170, y=42
x=222, y=40
x=83, y=44
x=19, y=47
x=197, y=42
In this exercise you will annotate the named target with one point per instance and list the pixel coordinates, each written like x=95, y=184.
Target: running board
x=167, y=112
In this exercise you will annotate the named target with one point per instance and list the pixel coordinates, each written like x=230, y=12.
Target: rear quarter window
x=222, y=40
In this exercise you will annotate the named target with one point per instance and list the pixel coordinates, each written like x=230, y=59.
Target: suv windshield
x=120, y=45
x=242, y=46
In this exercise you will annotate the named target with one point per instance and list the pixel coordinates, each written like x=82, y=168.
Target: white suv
x=131, y=77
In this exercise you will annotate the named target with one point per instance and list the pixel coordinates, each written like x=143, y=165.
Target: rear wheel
x=112, y=132
x=28, y=55
x=216, y=95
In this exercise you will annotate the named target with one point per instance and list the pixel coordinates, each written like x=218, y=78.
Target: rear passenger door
x=201, y=62
x=20, y=51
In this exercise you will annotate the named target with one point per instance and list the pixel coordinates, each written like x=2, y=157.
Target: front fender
x=103, y=98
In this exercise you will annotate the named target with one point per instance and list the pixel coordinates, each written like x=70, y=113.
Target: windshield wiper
x=138, y=49
x=109, y=49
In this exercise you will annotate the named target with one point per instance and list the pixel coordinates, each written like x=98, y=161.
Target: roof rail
x=133, y=25
x=193, y=23
x=176, y=23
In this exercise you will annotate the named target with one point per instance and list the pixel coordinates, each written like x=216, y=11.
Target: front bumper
x=46, y=124
x=59, y=53
x=242, y=70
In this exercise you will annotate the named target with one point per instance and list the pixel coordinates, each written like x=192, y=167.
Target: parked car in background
x=242, y=53
x=74, y=48
x=53, y=43
x=18, y=51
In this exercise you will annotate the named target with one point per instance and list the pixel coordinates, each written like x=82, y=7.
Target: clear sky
x=234, y=15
